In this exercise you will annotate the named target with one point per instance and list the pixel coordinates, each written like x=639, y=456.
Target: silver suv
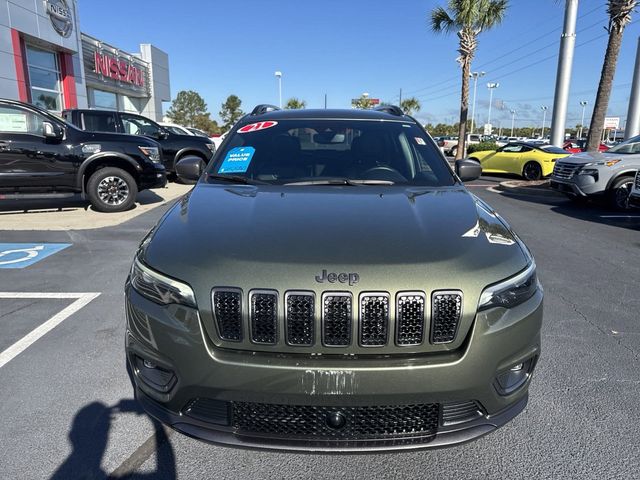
x=634, y=197
x=609, y=174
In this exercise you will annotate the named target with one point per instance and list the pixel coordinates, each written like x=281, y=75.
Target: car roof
x=341, y=114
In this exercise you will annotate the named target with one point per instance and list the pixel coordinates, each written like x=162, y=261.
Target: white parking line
x=29, y=339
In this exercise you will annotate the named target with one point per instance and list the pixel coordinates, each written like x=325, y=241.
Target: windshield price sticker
x=237, y=160
x=420, y=141
x=256, y=127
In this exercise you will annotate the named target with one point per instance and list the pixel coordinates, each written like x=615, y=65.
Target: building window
x=44, y=79
x=102, y=99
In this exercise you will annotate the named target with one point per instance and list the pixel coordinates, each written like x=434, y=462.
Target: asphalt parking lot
x=67, y=404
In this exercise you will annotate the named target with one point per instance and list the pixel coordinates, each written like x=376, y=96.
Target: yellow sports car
x=530, y=161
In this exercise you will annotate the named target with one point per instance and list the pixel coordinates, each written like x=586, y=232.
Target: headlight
x=511, y=292
x=211, y=146
x=152, y=152
x=158, y=288
x=588, y=171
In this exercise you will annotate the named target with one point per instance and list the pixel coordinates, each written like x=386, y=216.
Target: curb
x=540, y=188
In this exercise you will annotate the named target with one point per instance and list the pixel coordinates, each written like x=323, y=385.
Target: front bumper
x=579, y=185
x=155, y=177
x=173, y=339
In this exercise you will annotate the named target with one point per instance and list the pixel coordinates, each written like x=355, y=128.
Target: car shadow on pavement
x=89, y=437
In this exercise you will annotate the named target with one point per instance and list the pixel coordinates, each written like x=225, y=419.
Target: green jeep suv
x=329, y=284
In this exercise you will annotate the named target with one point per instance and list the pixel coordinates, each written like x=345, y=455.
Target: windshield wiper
x=342, y=181
x=234, y=179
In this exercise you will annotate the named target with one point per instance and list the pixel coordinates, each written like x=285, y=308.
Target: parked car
x=330, y=284
x=174, y=146
x=446, y=143
x=532, y=162
x=41, y=156
x=177, y=129
x=578, y=146
x=607, y=174
x=196, y=131
x=471, y=139
x=634, y=196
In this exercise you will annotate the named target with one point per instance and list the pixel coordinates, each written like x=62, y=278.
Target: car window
x=300, y=150
x=99, y=122
x=136, y=125
x=552, y=149
x=174, y=130
x=512, y=149
x=630, y=146
x=14, y=119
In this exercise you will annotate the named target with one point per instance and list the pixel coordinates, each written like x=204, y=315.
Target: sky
x=343, y=48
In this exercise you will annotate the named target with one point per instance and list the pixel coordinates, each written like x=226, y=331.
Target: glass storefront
x=113, y=101
x=44, y=79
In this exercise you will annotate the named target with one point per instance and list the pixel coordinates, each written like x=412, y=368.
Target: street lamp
x=544, y=118
x=583, y=104
x=278, y=75
x=491, y=87
x=513, y=121
x=475, y=76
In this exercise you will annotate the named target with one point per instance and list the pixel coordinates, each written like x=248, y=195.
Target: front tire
x=619, y=193
x=454, y=151
x=532, y=171
x=111, y=189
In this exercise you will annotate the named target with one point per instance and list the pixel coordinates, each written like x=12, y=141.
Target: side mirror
x=52, y=131
x=162, y=134
x=468, y=169
x=189, y=169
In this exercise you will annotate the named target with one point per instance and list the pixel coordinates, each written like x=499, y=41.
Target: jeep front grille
x=374, y=319
x=565, y=171
x=300, y=318
x=227, y=310
x=336, y=319
x=263, y=315
x=410, y=319
x=446, y=310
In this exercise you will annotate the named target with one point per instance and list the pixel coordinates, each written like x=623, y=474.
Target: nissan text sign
x=612, y=123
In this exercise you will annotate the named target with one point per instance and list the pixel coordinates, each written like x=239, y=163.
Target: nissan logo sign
x=60, y=16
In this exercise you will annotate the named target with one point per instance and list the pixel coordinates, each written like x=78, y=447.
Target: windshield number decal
x=256, y=127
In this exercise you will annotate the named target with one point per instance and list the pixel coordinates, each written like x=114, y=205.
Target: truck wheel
x=619, y=193
x=454, y=151
x=532, y=171
x=111, y=189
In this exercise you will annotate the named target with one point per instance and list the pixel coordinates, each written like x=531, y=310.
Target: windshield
x=309, y=151
x=627, y=147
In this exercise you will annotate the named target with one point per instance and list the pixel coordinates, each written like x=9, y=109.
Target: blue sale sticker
x=237, y=160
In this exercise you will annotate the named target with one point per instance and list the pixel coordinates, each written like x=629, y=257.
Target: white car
x=177, y=129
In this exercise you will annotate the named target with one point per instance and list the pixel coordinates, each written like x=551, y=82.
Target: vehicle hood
x=483, y=153
x=591, y=157
x=282, y=237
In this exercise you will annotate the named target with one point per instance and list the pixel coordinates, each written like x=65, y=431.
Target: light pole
x=513, y=121
x=475, y=76
x=278, y=75
x=544, y=109
x=491, y=87
x=583, y=104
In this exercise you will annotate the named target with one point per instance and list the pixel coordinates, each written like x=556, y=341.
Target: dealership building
x=46, y=60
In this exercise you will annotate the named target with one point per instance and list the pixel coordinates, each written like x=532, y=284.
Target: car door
x=27, y=158
x=139, y=125
x=506, y=159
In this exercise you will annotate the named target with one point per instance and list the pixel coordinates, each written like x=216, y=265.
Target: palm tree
x=619, y=16
x=468, y=18
x=410, y=105
x=295, y=104
x=363, y=102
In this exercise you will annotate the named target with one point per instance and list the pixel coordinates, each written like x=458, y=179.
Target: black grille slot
x=360, y=423
x=336, y=319
x=264, y=316
x=460, y=412
x=208, y=410
x=410, y=319
x=446, y=309
x=227, y=310
x=300, y=309
x=374, y=319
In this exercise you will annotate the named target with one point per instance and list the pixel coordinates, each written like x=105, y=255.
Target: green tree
x=204, y=123
x=186, y=107
x=619, y=16
x=410, y=105
x=363, y=103
x=468, y=18
x=295, y=104
x=231, y=112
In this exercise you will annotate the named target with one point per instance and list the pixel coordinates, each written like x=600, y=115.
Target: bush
x=478, y=147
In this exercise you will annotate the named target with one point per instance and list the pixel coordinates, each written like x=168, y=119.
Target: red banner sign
x=121, y=70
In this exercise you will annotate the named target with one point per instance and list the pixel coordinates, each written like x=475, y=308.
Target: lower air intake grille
x=208, y=410
x=410, y=319
x=446, y=309
x=227, y=310
x=264, y=316
x=336, y=319
x=300, y=318
x=374, y=319
x=460, y=412
x=357, y=423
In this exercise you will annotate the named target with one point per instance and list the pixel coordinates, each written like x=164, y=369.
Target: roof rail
x=392, y=109
x=263, y=108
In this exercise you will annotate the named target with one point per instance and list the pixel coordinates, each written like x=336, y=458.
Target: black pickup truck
x=174, y=146
x=42, y=156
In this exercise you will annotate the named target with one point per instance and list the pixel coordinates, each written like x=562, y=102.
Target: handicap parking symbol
x=21, y=255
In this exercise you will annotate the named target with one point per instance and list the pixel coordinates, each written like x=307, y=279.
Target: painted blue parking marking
x=21, y=255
